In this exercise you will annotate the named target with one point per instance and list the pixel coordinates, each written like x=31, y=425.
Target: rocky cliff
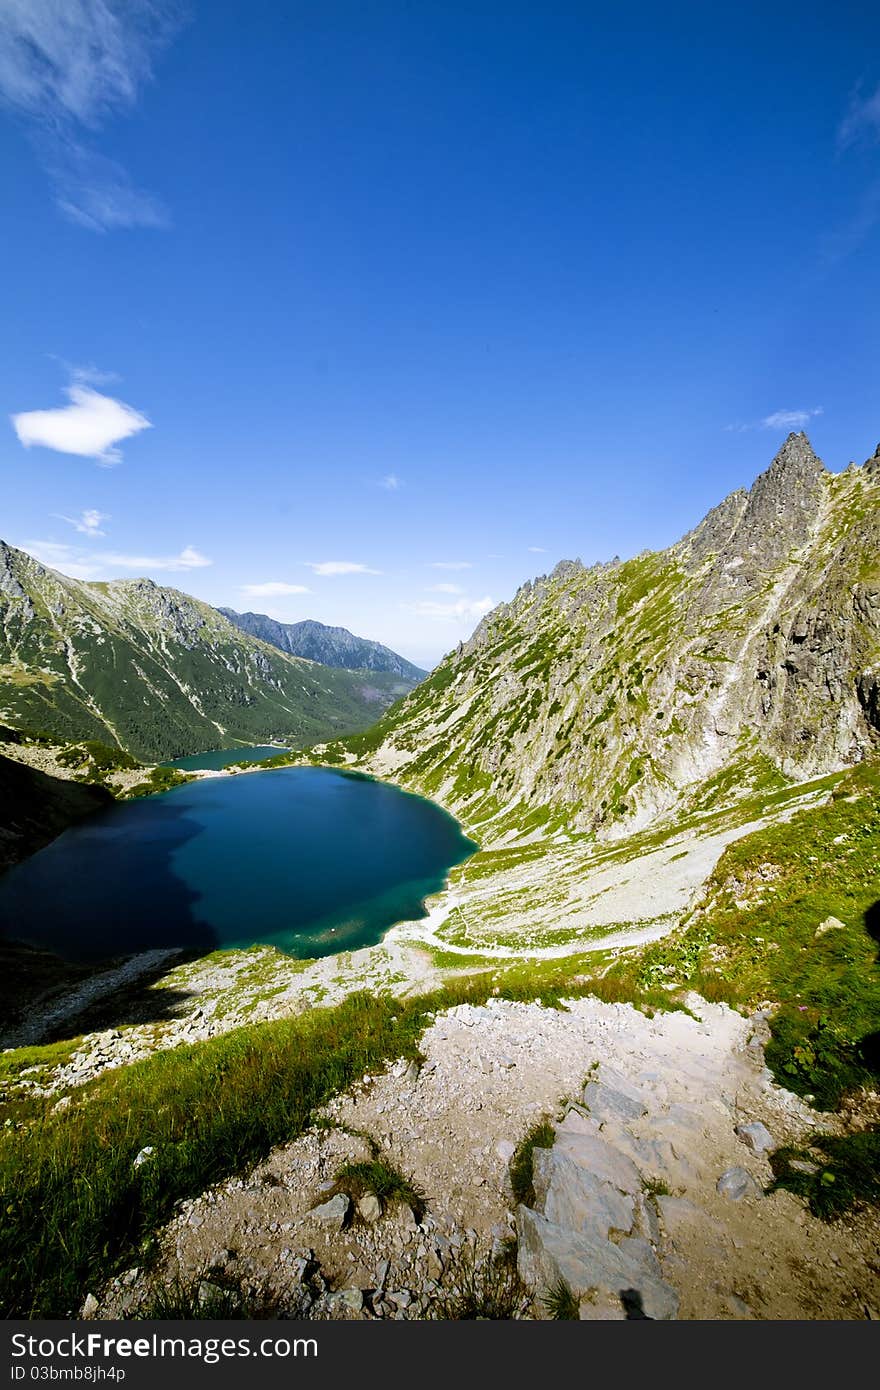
x=745, y=656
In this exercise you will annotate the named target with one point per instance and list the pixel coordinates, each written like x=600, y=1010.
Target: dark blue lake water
x=311, y=860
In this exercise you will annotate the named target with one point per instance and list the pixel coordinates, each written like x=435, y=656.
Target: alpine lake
x=311, y=860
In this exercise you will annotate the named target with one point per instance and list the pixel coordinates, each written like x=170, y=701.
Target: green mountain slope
x=158, y=672
x=742, y=658
x=331, y=646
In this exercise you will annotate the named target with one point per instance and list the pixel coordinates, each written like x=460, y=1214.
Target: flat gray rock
x=334, y=1212
x=756, y=1136
x=607, y=1103
x=628, y=1272
x=571, y=1195
x=604, y=1160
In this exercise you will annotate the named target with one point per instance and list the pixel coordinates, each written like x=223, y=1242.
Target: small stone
x=90, y=1306
x=143, y=1155
x=756, y=1136
x=334, y=1212
x=505, y=1149
x=803, y=1165
x=830, y=924
x=351, y=1298
x=369, y=1208
x=736, y=1183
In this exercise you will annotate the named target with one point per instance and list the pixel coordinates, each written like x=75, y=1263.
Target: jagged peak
x=872, y=464
x=796, y=459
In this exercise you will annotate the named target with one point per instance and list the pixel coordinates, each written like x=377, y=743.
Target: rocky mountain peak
x=796, y=460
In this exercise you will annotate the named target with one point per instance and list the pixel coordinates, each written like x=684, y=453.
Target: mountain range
x=331, y=646
x=743, y=658
x=159, y=673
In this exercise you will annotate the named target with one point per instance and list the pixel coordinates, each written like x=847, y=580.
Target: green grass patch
x=754, y=938
x=847, y=1171
x=384, y=1181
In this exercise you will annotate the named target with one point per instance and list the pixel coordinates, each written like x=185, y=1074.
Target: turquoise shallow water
x=309, y=859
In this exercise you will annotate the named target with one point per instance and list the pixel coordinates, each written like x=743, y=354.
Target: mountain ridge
x=159, y=673
x=744, y=656
x=316, y=641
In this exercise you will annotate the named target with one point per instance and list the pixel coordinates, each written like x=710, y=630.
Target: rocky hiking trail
x=649, y=1201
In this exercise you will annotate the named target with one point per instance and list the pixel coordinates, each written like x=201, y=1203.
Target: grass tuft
x=560, y=1302
x=540, y=1136
x=384, y=1181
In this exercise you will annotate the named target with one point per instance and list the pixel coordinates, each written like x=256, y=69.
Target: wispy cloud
x=340, y=567
x=91, y=426
x=391, y=482
x=862, y=120
x=450, y=565
x=274, y=588
x=88, y=522
x=96, y=564
x=537, y=550
x=789, y=419
x=76, y=563
x=188, y=559
x=71, y=65
x=779, y=420
x=463, y=609
x=444, y=589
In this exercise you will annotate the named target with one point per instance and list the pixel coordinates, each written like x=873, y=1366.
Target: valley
x=669, y=767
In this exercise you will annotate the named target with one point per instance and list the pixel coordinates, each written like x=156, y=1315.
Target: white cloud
x=391, y=482
x=69, y=64
x=98, y=194
x=463, y=609
x=450, y=565
x=537, y=550
x=779, y=420
x=67, y=558
x=88, y=522
x=340, y=567
x=90, y=426
x=97, y=564
x=445, y=589
x=788, y=419
x=273, y=589
x=861, y=120
x=188, y=559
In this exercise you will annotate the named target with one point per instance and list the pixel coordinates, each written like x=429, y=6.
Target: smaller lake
x=312, y=860
x=222, y=757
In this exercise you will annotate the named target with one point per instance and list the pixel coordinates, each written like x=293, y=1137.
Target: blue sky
x=442, y=292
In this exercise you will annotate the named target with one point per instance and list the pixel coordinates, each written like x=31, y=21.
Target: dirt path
x=451, y=1125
